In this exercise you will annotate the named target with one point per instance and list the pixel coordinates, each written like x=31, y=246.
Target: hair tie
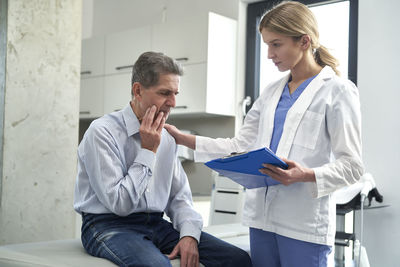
x=315, y=50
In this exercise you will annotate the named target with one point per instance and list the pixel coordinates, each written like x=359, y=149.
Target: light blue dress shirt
x=116, y=175
x=285, y=103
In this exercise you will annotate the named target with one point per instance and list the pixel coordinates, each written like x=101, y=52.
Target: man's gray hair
x=150, y=65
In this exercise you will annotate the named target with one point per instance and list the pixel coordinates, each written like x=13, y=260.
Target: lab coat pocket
x=254, y=204
x=308, y=131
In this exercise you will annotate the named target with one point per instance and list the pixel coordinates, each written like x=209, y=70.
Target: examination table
x=70, y=253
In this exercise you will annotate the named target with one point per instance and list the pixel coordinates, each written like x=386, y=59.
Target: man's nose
x=172, y=101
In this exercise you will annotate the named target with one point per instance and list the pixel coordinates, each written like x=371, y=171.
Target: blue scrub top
x=285, y=103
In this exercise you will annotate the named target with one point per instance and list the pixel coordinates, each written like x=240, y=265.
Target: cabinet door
x=91, y=98
x=185, y=41
x=221, y=65
x=124, y=48
x=117, y=92
x=192, y=91
x=228, y=200
x=92, y=60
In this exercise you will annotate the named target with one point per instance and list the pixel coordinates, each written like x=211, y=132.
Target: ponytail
x=324, y=58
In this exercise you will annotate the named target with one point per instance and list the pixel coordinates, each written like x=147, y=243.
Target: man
x=129, y=175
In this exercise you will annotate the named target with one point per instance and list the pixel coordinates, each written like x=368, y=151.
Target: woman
x=311, y=118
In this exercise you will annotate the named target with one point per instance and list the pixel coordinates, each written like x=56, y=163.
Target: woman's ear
x=305, y=41
x=136, y=90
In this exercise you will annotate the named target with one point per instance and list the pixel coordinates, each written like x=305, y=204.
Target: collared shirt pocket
x=308, y=131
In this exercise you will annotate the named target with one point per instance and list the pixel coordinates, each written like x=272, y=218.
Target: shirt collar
x=326, y=73
x=131, y=121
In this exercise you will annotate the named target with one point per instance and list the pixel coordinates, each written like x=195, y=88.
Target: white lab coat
x=322, y=131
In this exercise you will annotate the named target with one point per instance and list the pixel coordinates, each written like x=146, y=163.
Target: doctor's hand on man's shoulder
x=181, y=138
x=150, y=129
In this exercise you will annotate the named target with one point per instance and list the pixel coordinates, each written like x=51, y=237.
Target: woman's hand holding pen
x=294, y=174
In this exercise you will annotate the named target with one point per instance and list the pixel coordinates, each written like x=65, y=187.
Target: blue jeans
x=273, y=250
x=142, y=239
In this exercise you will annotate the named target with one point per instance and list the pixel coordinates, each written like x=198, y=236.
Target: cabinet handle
x=224, y=211
x=182, y=59
x=227, y=192
x=124, y=67
x=180, y=107
x=84, y=112
x=86, y=72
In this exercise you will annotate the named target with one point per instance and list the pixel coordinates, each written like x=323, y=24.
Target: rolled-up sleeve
x=344, y=127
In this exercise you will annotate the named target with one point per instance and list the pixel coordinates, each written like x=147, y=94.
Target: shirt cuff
x=202, y=152
x=146, y=158
x=188, y=229
x=200, y=140
x=318, y=188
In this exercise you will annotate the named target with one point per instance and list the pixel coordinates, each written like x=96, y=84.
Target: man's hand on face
x=150, y=129
x=188, y=250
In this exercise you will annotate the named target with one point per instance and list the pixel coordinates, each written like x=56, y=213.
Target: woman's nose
x=270, y=54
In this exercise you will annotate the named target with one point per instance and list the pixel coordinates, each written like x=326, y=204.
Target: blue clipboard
x=244, y=168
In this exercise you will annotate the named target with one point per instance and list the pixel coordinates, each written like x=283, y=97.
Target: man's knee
x=241, y=258
x=237, y=257
x=216, y=252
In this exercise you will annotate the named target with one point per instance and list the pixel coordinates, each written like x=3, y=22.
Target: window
x=337, y=22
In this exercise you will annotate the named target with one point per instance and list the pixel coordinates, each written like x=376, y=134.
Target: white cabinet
x=108, y=61
x=91, y=98
x=227, y=200
x=92, y=80
x=124, y=48
x=185, y=41
x=205, y=45
x=92, y=60
x=206, y=48
x=192, y=89
x=117, y=92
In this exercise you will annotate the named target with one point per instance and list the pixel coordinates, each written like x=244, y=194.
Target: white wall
x=378, y=82
x=111, y=16
x=40, y=121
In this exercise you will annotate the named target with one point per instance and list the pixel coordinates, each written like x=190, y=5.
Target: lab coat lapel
x=268, y=123
x=296, y=112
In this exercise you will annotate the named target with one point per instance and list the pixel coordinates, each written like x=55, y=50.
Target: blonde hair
x=293, y=19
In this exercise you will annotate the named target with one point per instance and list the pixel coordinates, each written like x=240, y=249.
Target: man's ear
x=137, y=90
x=305, y=41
